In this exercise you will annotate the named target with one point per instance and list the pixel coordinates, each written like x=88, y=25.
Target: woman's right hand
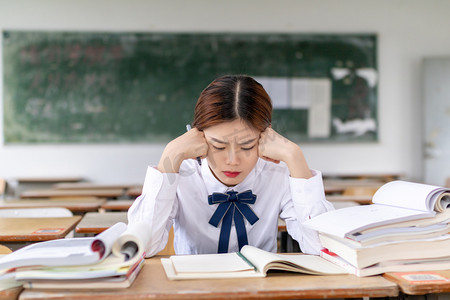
x=191, y=144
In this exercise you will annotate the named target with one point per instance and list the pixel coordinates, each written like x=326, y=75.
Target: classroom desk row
x=360, y=189
x=152, y=283
x=71, y=187
x=76, y=205
x=98, y=215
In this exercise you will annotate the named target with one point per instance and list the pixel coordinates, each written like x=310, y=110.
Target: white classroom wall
x=408, y=31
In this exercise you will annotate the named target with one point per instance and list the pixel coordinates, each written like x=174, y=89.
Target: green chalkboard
x=96, y=87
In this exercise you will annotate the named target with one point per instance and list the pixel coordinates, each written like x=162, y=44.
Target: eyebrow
x=222, y=142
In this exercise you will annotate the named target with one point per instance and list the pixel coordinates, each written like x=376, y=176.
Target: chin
x=230, y=181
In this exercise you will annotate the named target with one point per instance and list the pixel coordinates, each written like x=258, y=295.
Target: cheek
x=251, y=157
x=214, y=156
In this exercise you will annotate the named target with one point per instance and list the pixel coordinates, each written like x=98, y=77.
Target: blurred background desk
x=53, y=193
x=76, y=205
x=35, y=229
x=95, y=222
x=117, y=205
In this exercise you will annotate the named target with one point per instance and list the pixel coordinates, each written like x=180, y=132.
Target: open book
x=396, y=201
x=250, y=262
x=115, y=253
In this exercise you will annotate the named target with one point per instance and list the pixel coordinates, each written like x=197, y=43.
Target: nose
x=233, y=158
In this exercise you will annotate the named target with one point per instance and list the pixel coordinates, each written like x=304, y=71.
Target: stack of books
x=112, y=259
x=405, y=229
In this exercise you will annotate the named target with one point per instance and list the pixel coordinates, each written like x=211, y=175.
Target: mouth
x=231, y=174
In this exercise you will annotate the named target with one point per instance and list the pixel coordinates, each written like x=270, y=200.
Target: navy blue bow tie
x=232, y=205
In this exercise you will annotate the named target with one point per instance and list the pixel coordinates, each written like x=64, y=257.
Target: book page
x=398, y=232
x=441, y=217
x=442, y=202
x=105, y=240
x=131, y=244
x=302, y=263
x=73, y=251
x=408, y=194
x=312, y=264
x=344, y=221
x=210, y=263
x=259, y=258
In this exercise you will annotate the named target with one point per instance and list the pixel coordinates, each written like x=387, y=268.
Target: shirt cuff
x=165, y=183
x=307, y=191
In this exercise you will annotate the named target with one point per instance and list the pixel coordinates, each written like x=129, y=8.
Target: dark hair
x=233, y=97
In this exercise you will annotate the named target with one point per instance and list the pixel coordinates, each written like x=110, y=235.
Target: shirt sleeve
x=306, y=200
x=156, y=207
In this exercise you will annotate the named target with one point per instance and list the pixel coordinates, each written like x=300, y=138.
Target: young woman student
x=248, y=176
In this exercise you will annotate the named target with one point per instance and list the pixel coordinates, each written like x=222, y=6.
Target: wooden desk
x=385, y=177
x=152, y=283
x=48, y=180
x=36, y=229
x=92, y=186
x=121, y=205
x=80, y=205
x=331, y=189
x=361, y=199
x=52, y=193
x=39, y=183
x=94, y=222
x=134, y=192
x=341, y=186
x=423, y=286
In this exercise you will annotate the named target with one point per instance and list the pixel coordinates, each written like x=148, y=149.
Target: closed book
x=106, y=282
x=395, y=235
x=362, y=257
x=403, y=265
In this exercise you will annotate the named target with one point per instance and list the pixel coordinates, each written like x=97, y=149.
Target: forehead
x=233, y=130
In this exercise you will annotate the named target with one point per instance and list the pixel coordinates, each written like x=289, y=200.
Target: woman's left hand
x=271, y=145
x=275, y=148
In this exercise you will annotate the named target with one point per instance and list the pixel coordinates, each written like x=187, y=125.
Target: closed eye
x=218, y=148
x=248, y=148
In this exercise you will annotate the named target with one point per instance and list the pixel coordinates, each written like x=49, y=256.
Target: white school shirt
x=181, y=199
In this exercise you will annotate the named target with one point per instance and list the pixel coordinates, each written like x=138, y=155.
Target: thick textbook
x=401, y=265
x=362, y=257
x=249, y=262
x=394, y=234
x=120, y=240
x=60, y=278
x=395, y=201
